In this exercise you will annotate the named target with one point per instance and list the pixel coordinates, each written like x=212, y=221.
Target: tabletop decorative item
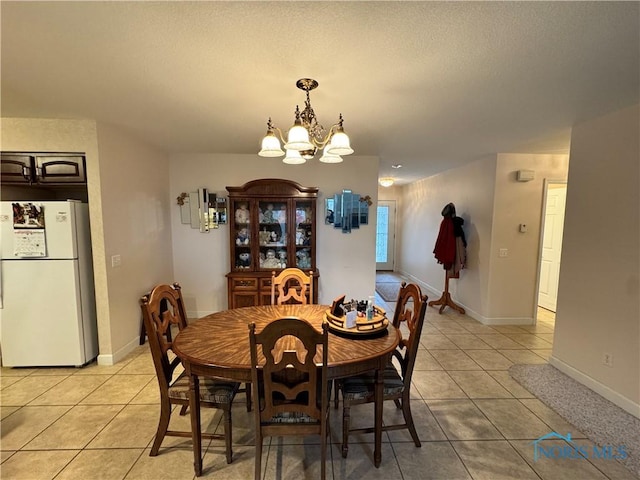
x=370, y=320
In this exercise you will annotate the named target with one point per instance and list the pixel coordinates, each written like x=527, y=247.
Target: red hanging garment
x=445, y=249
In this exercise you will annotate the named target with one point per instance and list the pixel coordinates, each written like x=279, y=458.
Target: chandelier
x=306, y=136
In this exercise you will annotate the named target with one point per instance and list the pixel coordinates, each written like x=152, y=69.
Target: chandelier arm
x=323, y=143
x=276, y=129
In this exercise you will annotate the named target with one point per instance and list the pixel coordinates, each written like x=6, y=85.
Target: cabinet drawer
x=265, y=284
x=244, y=283
x=244, y=299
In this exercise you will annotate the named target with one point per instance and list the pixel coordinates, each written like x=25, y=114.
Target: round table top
x=221, y=340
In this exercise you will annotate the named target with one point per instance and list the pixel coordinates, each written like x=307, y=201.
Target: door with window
x=385, y=234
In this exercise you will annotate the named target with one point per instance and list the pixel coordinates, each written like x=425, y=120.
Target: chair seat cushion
x=213, y=391
x=292, y=417
x=363, y=386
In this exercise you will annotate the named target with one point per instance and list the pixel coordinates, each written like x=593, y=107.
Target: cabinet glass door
x=305, y=221
x=241, y=248
x=272, y=234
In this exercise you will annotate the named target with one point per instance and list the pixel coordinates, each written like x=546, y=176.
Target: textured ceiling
x=430, y=85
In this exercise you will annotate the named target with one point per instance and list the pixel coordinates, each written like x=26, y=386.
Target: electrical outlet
x=504, y=252
x=116, y=261
x=607, y=359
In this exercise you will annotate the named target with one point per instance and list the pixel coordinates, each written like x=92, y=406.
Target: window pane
x=382, y=233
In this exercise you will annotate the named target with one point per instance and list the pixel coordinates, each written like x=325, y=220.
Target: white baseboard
x=113, y=358
x=434, y=293
x=508, y=321
x=589, y=382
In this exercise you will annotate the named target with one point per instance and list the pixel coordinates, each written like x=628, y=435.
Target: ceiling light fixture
x=386, y=181
x=306, y=136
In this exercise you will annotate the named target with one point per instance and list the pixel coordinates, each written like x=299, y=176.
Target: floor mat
x=384, y=277
x=388, y=290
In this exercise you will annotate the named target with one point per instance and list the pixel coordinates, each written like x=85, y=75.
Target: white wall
x=492, y=203
x=599, y=292
x=470, y=189
x=201, y=260
x=134, y=180
x=513, y=280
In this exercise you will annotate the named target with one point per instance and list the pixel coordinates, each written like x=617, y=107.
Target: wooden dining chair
x=162, y=308
x=291, y=286
x=409, y=313
x=290, y=393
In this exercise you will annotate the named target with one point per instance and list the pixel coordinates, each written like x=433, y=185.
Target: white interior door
x=385, y=234
x=552, y=245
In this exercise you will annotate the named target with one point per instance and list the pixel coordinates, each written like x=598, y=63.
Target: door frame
x=546, y=184
x=392, y=204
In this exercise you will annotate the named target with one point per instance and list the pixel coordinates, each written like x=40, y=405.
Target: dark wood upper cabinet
x=272, y=226
x=43, y=168
x=16, y=169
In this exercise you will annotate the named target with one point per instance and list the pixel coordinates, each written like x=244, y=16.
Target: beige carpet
x=388, y=290
x=602, y=421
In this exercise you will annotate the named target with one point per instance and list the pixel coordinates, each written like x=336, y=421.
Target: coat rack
x=445, y=299
x=450, y=250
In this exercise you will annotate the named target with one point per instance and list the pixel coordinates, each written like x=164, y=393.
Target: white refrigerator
x=47, y=312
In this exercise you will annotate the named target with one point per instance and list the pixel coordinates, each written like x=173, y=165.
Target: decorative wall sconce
x=202, y=210
x=347, y=210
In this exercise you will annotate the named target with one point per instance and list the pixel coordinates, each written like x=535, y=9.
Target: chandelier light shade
x=293, y=157
x=329, y=157
x=306, y=137
x=339, y=144
x=298, y=138
x=386, y=181
x=271, y=146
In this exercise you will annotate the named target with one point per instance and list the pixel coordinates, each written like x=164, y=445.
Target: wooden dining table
x=217, y=346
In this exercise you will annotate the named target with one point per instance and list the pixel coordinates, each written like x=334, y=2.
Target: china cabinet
x=272, y=226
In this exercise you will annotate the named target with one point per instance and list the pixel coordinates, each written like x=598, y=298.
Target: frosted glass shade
x=270, y=146
x=339, y=144
x=330, y=157
x=386, y=181
x=298, y=139
x=293, y=158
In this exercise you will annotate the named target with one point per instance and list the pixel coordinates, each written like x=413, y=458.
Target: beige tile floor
x=474, y=421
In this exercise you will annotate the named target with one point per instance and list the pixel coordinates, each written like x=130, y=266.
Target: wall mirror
x=203, y=210
x=347, y=210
